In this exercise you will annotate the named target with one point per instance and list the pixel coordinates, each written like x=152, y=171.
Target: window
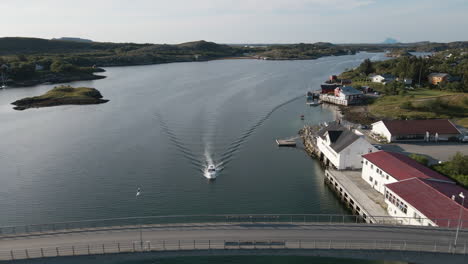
x=417, y=217
x=371, y=179
x=371, y=166
x=366, y=162
x=395, y=201
x=387, y=176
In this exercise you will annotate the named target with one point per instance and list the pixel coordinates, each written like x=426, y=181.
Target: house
x=341, y=95
x=349, y=94
x=329, y=87
x=341, y=147
x=367, y=89
x=436, y=78
x=415, y=130
x=407, y=81
x=427, y=202
x=38, y=67
x=382, y=78
x=383, y=167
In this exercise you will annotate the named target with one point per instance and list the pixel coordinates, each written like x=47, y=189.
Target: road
x=235, y=232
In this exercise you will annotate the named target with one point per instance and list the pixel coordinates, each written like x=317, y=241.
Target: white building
x=38, y=67
x=341, y=147
x=415, y=130
x=426, y=202
x=382, y=78
x=383, y=167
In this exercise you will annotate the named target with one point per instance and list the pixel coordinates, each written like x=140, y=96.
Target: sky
x=237, y=21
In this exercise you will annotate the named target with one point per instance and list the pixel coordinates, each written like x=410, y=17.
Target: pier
x=333, y=99
x=357, y=195
x=290, y=142
x=348, y=185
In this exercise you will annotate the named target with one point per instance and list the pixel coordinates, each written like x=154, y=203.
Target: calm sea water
x=163, y=124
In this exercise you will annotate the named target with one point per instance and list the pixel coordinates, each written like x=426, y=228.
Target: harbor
x=353, y=192
x=357, y=195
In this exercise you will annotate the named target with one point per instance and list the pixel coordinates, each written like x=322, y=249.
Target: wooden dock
x=286, y=142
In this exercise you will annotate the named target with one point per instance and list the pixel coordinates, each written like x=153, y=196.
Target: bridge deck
x=222, y=235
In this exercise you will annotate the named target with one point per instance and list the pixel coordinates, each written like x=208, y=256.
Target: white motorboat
x=314, y=102
x=210, y=172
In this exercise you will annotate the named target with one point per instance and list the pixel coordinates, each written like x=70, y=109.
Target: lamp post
x=139, y=222
x=459, y=220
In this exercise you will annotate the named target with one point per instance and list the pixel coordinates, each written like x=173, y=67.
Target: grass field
x=423, y=104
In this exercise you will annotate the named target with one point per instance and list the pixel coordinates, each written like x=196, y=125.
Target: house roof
x=340, y=136
x=385, y=76
x=388, y=76
x=431, y=199
x=402, y=167
x=348, y=90
x=405, y=127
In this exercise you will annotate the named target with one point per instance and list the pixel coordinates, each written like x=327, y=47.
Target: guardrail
x=191, y=245
x=119, y=223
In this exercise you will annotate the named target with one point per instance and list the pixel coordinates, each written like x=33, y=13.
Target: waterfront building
x=342, y=95
x=416, y=130
x=426, y=202
x=342, y=148
x=383, y=167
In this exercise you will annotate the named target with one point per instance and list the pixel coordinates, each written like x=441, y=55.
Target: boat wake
x=205, y=161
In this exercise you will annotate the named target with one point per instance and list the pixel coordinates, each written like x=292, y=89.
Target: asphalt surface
x=236, y=232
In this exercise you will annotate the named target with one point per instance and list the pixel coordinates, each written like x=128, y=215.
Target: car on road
x=377, y=147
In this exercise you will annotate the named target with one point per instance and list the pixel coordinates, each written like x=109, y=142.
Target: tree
x=456, y=168
x=366, y=67
x=61, y=66
x=22, y=70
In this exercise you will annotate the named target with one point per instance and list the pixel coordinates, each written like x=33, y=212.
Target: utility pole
x=459, y=221
x=139, y=222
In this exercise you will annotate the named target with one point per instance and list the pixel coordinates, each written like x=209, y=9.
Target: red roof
x=431, y=199
x=402, y=167
x=406, y=127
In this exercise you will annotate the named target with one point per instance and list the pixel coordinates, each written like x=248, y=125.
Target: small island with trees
x=61, y=95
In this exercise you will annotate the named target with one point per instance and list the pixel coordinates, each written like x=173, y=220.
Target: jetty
x=290, y=142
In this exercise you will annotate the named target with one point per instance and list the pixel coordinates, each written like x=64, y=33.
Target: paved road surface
x=237, y=232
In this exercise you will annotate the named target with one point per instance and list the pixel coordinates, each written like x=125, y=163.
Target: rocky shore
x=61, y=95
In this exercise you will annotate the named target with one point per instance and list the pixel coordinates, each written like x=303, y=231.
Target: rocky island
x=61, y=95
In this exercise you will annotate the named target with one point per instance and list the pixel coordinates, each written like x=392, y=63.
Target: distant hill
x=20, y=45
x=390, y=41
x=73, y=39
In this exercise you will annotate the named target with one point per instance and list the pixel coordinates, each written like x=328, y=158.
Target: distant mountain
x=390, y=41
x=73, y=39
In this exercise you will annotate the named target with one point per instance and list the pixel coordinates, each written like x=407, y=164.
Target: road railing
x=211, y=245
x=151, y=221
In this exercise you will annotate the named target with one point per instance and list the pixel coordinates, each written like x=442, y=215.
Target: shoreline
x=92, y=76
x=59, y=80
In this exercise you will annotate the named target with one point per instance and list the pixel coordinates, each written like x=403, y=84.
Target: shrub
x=420, y=158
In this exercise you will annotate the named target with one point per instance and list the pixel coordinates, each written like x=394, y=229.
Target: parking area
x=436, y=152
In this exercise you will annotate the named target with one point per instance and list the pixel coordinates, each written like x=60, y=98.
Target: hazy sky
x=237, y=21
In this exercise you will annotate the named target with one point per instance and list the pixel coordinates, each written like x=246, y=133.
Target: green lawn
x=423, y=104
